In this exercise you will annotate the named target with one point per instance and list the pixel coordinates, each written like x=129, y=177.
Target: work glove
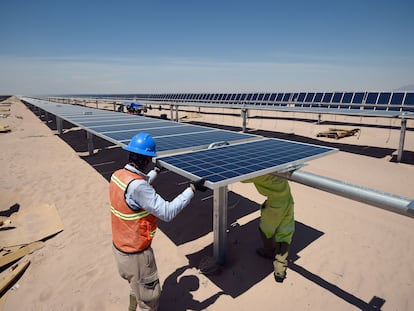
x=157, y=167
x=198, y=185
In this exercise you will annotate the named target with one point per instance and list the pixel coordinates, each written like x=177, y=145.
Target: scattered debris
x=338, y=133
x=5, y=223
x=32, y=224
x=13, y=253
x=23, y=231
x=4, y=128
x=8, y=276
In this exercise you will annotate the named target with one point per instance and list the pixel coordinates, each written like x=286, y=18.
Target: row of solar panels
x=119, y=128
x=190, y=143
x=391, y=101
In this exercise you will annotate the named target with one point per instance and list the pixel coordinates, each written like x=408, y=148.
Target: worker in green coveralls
x=277, y=223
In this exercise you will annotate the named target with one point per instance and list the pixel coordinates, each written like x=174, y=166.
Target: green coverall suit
x=277, y=223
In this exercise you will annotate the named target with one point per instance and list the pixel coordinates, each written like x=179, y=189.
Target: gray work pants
x=140, y=270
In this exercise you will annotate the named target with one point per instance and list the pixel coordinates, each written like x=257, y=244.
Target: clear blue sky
x=61, y=47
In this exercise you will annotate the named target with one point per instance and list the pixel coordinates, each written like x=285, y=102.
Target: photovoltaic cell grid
x=225, y=165
x=368, y=104
x=345, y=102
x=119, y=128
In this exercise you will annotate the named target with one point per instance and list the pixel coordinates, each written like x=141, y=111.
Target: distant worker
x=277, y=223
x=136, y=207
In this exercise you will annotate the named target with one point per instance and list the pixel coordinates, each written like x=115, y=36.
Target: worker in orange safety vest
x=135, y=210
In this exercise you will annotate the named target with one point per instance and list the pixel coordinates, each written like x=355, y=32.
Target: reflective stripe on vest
x=132, y=231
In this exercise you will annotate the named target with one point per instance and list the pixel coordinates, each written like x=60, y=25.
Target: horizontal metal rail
x=387, y=201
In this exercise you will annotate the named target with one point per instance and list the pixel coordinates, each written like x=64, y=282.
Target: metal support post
x=59, y=125
x=244, y=116
x=89, y=138
x=220, y=224
x=176, y=113
x=402, y=139
x=172, y=112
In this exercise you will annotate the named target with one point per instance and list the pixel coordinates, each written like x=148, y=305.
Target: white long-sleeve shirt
x=140, y=194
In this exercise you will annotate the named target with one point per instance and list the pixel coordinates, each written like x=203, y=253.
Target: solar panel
x=337, y=97
x=327, y=97
x=383, y=100
x=301, y=97
x=409, y=102
x=279, y=97
x=372, y=98
x=396, y=101
x=119, y=128
x=309, y=97
x=347, y=98
x=286, y=97
x=224, y=165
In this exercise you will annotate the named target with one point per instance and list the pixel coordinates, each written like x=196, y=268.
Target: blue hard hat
x=142, y=143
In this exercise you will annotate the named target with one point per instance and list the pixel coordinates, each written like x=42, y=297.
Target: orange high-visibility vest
x=132, y=231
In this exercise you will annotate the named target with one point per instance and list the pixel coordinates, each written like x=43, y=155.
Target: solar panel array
x=385, y=104
x=228, y=164
x=119, y=128
x=247, y=156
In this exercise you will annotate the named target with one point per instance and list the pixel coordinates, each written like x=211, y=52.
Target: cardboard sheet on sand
x=31, y=224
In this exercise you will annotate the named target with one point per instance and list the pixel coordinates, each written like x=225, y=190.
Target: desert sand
x=345, y=255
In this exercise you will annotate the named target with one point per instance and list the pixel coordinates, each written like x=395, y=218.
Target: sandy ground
x=345, y=255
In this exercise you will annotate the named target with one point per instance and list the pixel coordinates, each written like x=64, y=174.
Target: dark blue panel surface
x=397, y=98
x=337, y=97
x=96, y=123
x=327, y=97
x=301, y=97
x=155, y=131
x=232, y=162
x=371, y=98
x=309, y=97
x=184, y=141
x=318, y=97
x=286, y=97
x=347, y=98
x=409, y=102
x=384, y=98
x=193, y=140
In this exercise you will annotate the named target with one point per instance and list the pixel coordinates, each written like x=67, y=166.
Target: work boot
x=132, y=303
x=280, y=263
